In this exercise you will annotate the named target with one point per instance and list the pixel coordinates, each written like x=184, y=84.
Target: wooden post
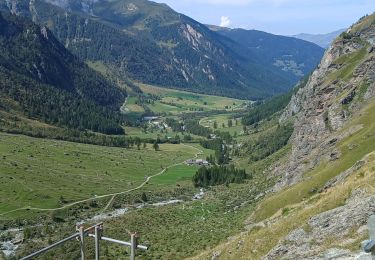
x=134, y=244
x=82, y=242
x=97, y=239
x=371, y=230
x=80, y=236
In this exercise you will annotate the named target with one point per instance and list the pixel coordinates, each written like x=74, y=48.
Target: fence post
x=371, y=229
x=134, y=244
x=80, y=236
x=97, y=239
x=82, y=241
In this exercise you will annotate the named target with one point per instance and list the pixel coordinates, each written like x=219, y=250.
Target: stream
x=9, y=246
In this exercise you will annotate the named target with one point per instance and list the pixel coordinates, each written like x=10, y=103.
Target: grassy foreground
x=48, y=174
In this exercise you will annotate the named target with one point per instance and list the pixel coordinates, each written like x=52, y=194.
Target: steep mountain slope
x=323, y=40
x=151, y=43
x=291, y=57
x=40, y=78
x=325, y=190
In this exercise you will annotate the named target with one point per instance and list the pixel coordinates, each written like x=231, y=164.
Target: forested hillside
x=42, y=80
x=152, y=43
x=291, y=57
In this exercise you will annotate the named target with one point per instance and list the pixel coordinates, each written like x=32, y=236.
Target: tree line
x=217, y=175
x=269, y=143
x=263, y=110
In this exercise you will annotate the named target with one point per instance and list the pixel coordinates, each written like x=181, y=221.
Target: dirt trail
x=106, y=195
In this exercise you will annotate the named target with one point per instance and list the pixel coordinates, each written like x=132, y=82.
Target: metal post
x=41, y=251
x=97, y=239
x=98, y=236
x=82, y=242
x=133, y=247
x=121, y=242
x=371, y=229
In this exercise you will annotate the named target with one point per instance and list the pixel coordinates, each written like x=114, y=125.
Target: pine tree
x=144, y=197
x=156, y=146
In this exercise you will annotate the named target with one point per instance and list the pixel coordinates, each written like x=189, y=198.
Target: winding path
x=107, y=195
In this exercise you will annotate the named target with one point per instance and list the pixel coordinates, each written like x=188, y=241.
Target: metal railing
x=369, y=245
x=95, y=232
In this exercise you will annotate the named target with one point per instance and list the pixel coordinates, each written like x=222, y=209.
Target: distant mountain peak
x=289, y=55
x=151, y=43
x=323, y=40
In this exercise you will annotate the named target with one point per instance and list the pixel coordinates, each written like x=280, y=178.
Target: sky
x=284, y=17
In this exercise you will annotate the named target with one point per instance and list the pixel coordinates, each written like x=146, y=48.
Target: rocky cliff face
x=332, y=164
x=341, y=84
x=345, y=226
x=324, y=112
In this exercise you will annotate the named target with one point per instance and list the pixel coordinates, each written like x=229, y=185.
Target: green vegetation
x=65, y=93
x=315, y=179
x=215, y=122
x=77, y=171
x=139, y=45
x=192, y=226
x=57, y=183
x=175, y=102
x=269, y=143
x=350, y=62
x=179, y=173
x=193, y=127
x=364, y=23
x=220, y=148
x=264, y=110
x=218, y=175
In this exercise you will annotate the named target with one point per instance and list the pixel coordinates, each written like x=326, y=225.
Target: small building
x=190, y=162
x=197, y=162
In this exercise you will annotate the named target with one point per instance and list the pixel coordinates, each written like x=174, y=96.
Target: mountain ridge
x=324, y=40
x=151, y=43
x=49, y=83
x=290, y=56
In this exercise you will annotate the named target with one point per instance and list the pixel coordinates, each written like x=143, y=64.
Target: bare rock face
x=331, y=96
x=337, y=89
x=334, y=224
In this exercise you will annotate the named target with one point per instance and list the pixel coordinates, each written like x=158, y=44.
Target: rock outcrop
x=344, y=79
x=336, y=223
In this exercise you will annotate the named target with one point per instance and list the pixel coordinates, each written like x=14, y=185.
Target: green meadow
x=174, y=102
x=48, y=174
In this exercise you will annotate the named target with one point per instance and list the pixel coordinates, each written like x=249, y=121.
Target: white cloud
x=225, y=21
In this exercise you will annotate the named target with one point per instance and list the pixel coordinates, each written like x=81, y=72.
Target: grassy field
x=223, y=119
x=138, y=132
x=78, y=171
x=176, y=174
x=38, y=172
x=172, y=231
x=174, y=102
x=155, y=133
x=133, y=107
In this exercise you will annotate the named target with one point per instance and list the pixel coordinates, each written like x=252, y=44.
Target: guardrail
x=369, y=245
x=95, y=232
